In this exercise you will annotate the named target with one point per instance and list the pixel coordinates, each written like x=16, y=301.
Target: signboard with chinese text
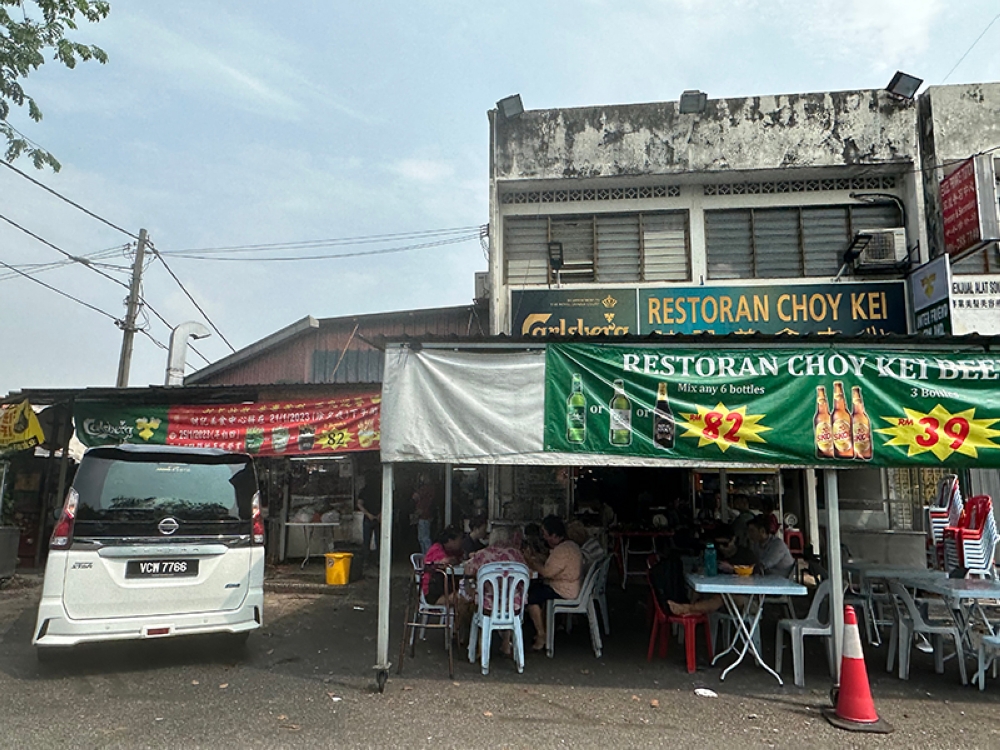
x=789, y=406
x=843, y=308
x=277, y=428
x=19, y=428
x=975, y=304
x=969, y=206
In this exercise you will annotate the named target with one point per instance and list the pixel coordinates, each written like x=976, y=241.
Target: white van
x=154, y=541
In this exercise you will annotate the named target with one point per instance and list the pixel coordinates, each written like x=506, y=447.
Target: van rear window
x=135, y=487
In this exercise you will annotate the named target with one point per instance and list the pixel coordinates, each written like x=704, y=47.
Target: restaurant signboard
x=271, y=428
x=969, y=206
x=817, y=406
x=848, y=309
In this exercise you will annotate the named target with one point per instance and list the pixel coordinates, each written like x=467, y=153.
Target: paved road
x=305, y=681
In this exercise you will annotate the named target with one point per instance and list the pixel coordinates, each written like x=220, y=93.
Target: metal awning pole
x=447, y=494
x=384, y=577
x=835, y=570
x=812, y=511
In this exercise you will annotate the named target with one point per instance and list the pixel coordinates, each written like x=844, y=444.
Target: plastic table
x=747, y=619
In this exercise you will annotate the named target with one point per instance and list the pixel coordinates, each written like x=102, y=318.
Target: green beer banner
x=794, y=406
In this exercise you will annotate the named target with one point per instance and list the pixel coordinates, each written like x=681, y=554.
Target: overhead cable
x=955, y=67
x=335, y=256
x=304, y=244
x=61, y=292
x=63, y=198
x=82, y=261
x=193, y=300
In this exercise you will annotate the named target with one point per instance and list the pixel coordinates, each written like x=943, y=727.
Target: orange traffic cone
x=855, y=709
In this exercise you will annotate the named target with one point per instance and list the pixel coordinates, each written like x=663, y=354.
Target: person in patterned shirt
x=500, y=549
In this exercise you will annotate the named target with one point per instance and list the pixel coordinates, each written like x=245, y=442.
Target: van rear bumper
x=54, y=627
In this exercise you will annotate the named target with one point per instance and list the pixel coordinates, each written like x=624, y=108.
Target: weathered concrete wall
x=966, y=119
x=766, y=132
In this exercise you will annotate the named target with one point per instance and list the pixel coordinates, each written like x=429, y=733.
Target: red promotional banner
x=280, y=428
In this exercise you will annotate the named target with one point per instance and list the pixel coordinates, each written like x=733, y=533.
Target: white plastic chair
x=988, y=646
x=601, y=588
x=425, y=610
x=798, y=629
x=910, y=621
x=505, y=580
x=583, y=604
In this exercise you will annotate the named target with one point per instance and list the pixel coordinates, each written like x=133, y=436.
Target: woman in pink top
x=560, y=574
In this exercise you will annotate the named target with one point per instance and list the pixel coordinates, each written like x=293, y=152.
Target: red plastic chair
x=796, y=542
x=660, y=632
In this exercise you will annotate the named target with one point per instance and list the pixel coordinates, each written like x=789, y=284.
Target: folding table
x=747, y=619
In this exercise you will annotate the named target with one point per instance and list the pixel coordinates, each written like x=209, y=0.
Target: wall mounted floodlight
x=693, y=102
x=904, y=85
x=510, y=106
x=555, y=256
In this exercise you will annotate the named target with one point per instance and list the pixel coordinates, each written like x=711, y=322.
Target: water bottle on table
x=711, y=560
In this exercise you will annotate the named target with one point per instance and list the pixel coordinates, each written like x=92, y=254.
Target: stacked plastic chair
x=970, y=543
x=945, y=512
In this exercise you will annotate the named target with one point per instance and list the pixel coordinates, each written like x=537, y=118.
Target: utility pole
x=131, y=311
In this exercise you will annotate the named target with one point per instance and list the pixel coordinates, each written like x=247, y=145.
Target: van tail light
x=258, y=522
x=62, y=534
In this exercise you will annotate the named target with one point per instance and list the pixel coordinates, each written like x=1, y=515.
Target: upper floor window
x=605, y=248
x=754, y=243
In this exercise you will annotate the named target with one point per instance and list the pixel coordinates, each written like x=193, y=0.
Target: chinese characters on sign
x=19, y=428
x=969, y=206
x=308, y=427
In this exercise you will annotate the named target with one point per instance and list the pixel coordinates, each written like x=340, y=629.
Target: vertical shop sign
x=969, y=206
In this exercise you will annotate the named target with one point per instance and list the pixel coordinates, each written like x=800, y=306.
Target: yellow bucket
x=338, y=568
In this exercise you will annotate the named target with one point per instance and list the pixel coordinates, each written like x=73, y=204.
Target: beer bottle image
x=861, y=426
x=620, y=409
x=664, y=426
x=823, y=425
x=576, y=412
x=843, y=439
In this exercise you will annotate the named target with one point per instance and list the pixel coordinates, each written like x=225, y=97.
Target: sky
x=217, y=125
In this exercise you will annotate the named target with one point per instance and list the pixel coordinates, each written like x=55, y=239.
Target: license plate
x=161, y=568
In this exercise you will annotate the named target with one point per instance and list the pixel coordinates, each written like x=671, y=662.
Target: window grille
x=787, y=242
x=606, y=248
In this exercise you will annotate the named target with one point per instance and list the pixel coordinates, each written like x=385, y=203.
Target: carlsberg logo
x=100, y=429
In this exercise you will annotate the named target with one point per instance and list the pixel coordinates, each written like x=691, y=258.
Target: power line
x=383, y=251
x=997, y=16
x=40, y=267
x=82, y=261
x=61, y=292
x=188, y=295
x=63, y=198
x=304, y=244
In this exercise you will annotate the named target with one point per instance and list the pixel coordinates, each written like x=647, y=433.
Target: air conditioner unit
x=879, y=247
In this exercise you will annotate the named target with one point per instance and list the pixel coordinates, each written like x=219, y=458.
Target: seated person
x=667, y=579
x=741, y=515
x=770, y=550
x=474, y=540
x=500, y=549
x=590, y=548
x=768, y=514
x=447, y=550
x=560, y=574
